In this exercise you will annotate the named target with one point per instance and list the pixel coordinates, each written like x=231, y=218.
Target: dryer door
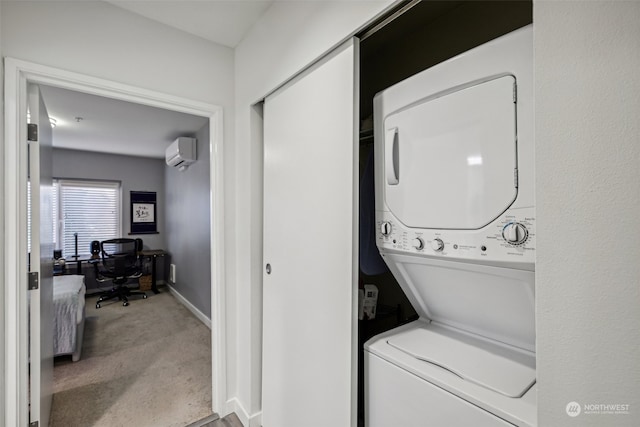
x=450, y=159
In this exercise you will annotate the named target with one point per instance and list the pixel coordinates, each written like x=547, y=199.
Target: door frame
x=14, y=218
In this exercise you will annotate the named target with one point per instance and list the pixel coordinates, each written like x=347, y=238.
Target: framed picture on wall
x=143, y=212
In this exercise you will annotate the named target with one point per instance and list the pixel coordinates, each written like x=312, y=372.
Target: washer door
x=451, y=160
x=493, y=302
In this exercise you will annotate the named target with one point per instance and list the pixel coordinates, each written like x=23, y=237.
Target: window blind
x=89, y=208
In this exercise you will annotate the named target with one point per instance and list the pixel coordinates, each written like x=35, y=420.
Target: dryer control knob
x=515, y=233
x=385, y=228
x=418, y=243
x=437, y=245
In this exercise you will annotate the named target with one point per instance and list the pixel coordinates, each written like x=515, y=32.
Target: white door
x=310, y=225
x=41, y=224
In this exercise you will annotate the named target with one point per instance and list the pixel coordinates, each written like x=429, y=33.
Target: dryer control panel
x=507, y=240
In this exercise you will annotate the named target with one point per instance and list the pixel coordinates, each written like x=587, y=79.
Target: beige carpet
x=148, y=364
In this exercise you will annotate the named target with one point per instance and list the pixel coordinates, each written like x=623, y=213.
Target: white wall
x=2, y=384
x=102, y=40
x=587, y=57
x=288, y=37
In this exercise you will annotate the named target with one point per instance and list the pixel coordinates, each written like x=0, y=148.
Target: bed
x=69, y=310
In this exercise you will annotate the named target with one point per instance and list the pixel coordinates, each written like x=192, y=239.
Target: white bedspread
x=68, y=306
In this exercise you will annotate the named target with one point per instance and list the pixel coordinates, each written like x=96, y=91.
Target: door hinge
x=34, y=424
x=515, y=93
x=32, y=132
x=515, y=177
x=34, y=280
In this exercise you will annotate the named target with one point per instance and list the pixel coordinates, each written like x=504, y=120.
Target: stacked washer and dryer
x=455, y=212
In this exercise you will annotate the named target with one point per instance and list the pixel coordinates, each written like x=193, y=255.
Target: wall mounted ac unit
x=181, y=153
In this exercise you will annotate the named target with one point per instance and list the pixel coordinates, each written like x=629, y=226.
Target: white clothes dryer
x=455, y=212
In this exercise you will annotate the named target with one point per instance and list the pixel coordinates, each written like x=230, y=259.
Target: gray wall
x=587, y=57
x=135, y=174
x=188, y=231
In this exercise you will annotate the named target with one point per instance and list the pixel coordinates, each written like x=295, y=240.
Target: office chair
x=120, y=262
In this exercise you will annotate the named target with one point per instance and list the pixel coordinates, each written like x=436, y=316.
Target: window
x=90, y=209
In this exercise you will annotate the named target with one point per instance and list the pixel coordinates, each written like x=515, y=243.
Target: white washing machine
x=456, y=225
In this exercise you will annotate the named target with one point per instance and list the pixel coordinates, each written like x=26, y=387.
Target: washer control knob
x=385, y=228
x=418, y=243
x=515, y=233
x=437, y=245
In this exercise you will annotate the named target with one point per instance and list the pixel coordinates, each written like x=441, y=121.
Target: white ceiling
x=113, y=126
x=120, y=127
x=221, y=21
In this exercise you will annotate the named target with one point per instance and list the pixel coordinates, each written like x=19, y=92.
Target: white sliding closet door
x=310, y=228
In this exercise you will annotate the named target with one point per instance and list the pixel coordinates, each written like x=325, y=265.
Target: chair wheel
x=144, y=296
x=125, y=303
x=97, y=305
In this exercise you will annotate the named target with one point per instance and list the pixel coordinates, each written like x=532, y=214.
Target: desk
x=79, y=259
x=153, y=254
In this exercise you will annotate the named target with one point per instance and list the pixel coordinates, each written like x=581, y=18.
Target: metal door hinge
x=34, y=281
x=515, y=177
x=32, y=132
x=34, y=424
x=515, y=93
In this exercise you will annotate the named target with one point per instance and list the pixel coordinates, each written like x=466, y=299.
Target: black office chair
x=120, y=262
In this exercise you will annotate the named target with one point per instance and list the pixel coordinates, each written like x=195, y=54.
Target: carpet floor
x=148, y=364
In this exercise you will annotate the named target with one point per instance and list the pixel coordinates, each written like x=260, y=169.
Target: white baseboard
x=192, y=308
x=255, y=420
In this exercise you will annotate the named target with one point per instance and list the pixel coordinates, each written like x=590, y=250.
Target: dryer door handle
x=391, y=156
